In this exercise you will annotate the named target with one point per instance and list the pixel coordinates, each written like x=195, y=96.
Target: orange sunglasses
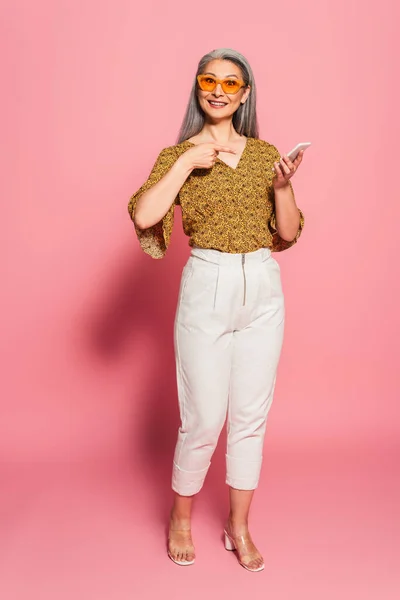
x=208, y=83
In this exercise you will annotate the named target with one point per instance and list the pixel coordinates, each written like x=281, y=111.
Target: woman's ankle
x=181, y=511
x=179, y=521
x=237, y=526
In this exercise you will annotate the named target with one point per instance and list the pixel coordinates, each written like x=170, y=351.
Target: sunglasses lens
x=231, y=86
x=207, y=83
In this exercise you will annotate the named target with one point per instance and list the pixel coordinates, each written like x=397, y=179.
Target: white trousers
x=228, y=336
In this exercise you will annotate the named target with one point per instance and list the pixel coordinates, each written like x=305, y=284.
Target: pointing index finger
x=219, y=148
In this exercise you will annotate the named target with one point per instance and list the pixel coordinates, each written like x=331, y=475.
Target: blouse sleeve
x=155, y=240
x=278, y=243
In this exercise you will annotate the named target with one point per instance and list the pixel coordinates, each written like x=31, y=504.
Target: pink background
x=91, y=93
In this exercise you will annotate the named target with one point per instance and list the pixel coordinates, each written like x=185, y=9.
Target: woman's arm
x=154, y=204
x=287, y=213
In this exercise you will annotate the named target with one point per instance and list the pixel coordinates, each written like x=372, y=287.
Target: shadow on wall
x=140, y=304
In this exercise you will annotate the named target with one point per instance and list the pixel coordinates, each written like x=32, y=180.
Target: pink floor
x=328, y=526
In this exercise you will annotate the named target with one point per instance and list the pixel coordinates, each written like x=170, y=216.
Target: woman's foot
x=180, y=544
x=237, y=537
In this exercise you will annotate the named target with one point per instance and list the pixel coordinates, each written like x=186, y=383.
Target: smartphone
x=294, y=152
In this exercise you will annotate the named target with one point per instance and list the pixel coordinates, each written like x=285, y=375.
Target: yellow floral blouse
x=227, y=209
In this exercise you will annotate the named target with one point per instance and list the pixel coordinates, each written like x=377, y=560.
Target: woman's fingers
x=287, y=165
x=298, y=158
x=281, y=168
x=278, y=170
x=285, y=168
x=219, y=148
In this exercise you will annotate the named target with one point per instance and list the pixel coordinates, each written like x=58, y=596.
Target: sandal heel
x=229, y=545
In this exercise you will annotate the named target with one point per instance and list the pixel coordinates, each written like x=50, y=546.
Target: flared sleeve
x=278, y=243
x=154, y=240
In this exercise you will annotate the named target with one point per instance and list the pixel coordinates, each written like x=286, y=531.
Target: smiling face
x=218, y=105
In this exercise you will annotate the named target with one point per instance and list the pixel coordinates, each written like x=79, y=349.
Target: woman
x=237, y=206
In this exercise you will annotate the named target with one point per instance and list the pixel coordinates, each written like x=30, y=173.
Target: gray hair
x=244, y=119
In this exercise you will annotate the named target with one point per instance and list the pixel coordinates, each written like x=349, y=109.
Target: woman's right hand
x=203, y=156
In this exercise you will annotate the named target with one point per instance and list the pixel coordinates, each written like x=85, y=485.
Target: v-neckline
x=222, y=161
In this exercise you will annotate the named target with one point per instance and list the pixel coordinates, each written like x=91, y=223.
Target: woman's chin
x=216, y=115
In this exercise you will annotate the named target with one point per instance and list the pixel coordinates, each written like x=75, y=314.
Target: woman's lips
x=216, y=104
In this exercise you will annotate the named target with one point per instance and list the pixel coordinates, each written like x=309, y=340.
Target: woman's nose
x=218, y=90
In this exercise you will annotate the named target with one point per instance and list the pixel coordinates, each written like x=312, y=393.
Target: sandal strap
x=244, y=546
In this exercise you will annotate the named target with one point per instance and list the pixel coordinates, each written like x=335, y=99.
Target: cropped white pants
x=228, y=336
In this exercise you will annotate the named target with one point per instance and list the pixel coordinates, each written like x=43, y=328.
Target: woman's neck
x=221, y=133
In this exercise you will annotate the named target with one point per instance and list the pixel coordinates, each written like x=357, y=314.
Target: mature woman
x=237, y=207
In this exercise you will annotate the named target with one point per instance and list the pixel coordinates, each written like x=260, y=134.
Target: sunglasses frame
x=221, y=82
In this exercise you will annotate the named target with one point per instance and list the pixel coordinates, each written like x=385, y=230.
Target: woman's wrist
x=283, y=187
x=184, y=165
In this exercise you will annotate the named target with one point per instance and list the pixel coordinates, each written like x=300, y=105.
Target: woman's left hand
x=285, y=169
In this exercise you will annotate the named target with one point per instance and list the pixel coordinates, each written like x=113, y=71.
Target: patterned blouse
x=224, y=208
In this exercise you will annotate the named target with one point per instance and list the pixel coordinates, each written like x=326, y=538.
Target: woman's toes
x=256, y=563
x=181, y=549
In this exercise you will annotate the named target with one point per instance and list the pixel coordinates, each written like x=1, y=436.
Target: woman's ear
x=246, y=94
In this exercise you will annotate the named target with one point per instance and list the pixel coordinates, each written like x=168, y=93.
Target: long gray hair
x=244, y=119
